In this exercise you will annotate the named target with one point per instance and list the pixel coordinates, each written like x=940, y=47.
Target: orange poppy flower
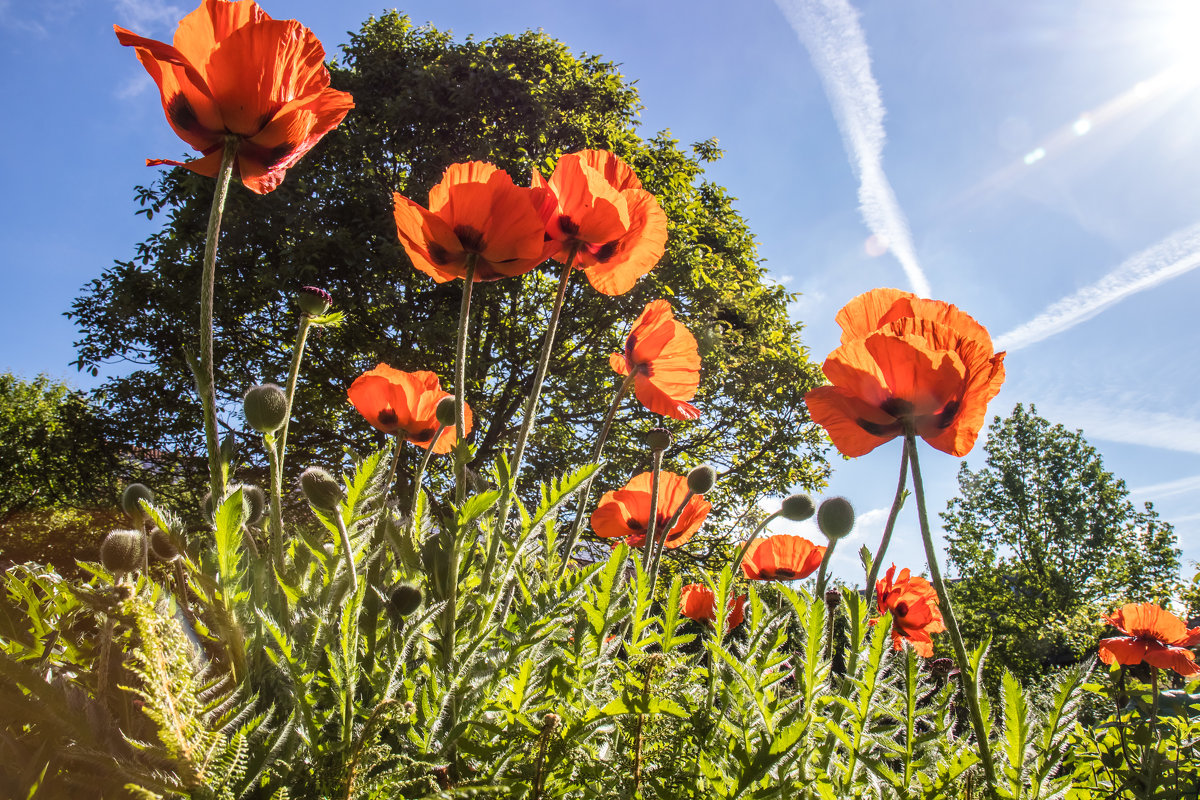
x=596, y=204
x=404, y=404
x=913, y=603
x=1153, y=635
x=662, y=355
x=234, y=70
x=906, y=361
x=475, y=210
x=782, y=557
x=698, y=602
x=626, y=512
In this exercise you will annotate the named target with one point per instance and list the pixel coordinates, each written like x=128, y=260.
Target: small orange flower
x=698, y=602
x=234, y=70
x=404, y=404
x=662, y=355
x=626, y=512
x=906, y=361
x=782, y=557
x=475, y=210
x=1153, y=635
x=595, y=204
x=913, y=603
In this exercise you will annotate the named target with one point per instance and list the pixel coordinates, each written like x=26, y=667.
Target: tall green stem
x=419, y=475
x=970, y=686
x=823, y=572
x=897, y=503
x=460, y=375
x=737, y=562
x=656, y=559
x=281, y=438
x=652, y=522
x=205, y=380
x=276, y=545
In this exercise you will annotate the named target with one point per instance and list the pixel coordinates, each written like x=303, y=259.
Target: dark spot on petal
x=277, y=154
x=900, y=610
x=438, y=254
x=471, y=239
x=785, y=573
x=606, y=251
x=948, y=413
x=181, y=114
x=635, y=525
x=423, y=435
x=876, y=429
x=388, y=418
x=567, y=225
x=897, y=408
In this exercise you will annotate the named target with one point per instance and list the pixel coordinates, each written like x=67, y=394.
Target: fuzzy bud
x=265, y=407
x=550, y=721
x=405, y=599
x=321, y=490
x=658, y=439
x=835, y=518
x=122, y=551
x=701, y=479
x=797, y=507
x=130, y=497
x=445, y=411
x=162, y=546
x=255, y=500
x=313, y=300
x=833, y=598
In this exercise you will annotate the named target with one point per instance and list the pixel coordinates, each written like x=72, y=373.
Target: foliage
x=422, y=102
x=1044, y=540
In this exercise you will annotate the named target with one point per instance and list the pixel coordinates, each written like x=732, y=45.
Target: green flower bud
x=130, y=497
x=445, y=411
x=313, y=300
x=701, y=479
x=835, y=517
x=797, y=507
x=321, y=490
x=405, y=599
x=162, y=546
x=122, y=551
x=658, y=439
x=265, y=407
x=255, y=500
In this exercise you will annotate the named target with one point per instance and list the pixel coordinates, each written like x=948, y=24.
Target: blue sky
x=1035, y=163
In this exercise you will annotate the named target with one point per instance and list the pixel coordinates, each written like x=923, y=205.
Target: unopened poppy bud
x=835, y=518
x=797, y=507
x=255, y=500
x=833, y=598
x=314, y=300
x=321, y=490
x=658, y=439
x=701, y=479
x=445, y=411
x=161, y=545
x=265, y=407
x=410, y=707
x=551, y=720
x=122, y=551
x=405, y=599
x=133, y=493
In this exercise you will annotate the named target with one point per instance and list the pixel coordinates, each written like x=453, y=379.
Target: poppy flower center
x=568, y=225
x=901, y=609
x=387, y=417
x=785, y=572
x=471, y=239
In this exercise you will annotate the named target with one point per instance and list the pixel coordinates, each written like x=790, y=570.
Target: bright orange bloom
x=475, y=210
x=906, y=361
x=626, y=512
x=913, y=603
x=596, y=204
x=405, y=404
x=661, y=353
x=234, y=70
x=782, y=557
x=698, y=602
x=1152, y=635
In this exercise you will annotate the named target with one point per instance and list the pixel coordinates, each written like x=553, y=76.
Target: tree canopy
x=424, y=101
x=1044, y=539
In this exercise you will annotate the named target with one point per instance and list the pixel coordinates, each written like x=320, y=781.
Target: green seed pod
x=265, y=407
x=122, y=551
x=321, y=490
x=405, y=599
x=835, y=517
x=162, y=546
x=130, y=497
x=658, y=439
x=702, y=479
x=255, y=500
x=445, y=411
x=797, y=507
x=313, y=300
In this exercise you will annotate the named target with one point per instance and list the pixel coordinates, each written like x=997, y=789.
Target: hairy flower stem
x=419, y=475
x=662, y=540
x=371, y=601
x=341, y=526
x=279, y=457
x=539, y=377
x=460, y=377
x=539, y=777
x=823, y=572
x=205, y=380
x=897, y=504
x=585, y=491
x=737, y=562
x=652, y=523
x=276, y=544
x=970, y=686
x=641, y=720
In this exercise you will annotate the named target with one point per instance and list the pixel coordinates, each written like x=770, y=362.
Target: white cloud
x=1168, y=489
x=1131, y=426
x=1170, y=258
x=145, y=17
x=134, y=87
x=830, y=31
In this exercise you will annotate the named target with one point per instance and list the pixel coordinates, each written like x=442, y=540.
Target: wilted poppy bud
x=835, y=517
x=551, y=720
x=658, y=439
x=265, y=407
x=405, y=599
x=445, y=411
x=833, y=598
x=313, y=300
x=321, y=490
x=797, y=507
x=701, y=479
x=122, y=551
x=255, y=500
x=130, y=497
x=161, y=545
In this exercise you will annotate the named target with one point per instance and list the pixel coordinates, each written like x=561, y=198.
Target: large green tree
x=424, y=101
x=1044, y=539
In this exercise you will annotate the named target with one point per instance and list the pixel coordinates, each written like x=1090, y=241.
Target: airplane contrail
x=1170, y=258
x=829, y=30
